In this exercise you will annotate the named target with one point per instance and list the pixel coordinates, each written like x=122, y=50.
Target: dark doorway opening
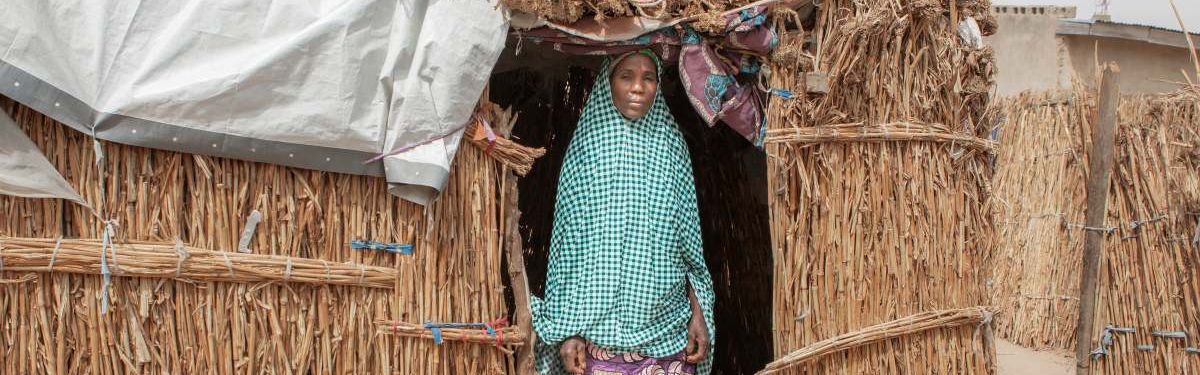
x=548, y=89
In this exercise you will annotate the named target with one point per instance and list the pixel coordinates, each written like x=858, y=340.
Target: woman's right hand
x=573, y=352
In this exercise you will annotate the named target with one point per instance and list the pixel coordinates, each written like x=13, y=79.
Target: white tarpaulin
x=26, y=173
x=315, y=84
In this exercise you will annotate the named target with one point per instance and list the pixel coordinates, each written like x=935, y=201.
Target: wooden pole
x=522, y=317
x=1099, y=167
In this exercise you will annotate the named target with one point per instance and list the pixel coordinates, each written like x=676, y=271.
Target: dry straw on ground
x=53, y=324
x=870, y=230
x=1149, y=263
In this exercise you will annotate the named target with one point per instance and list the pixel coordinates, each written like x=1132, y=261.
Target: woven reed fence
x=879, y=189
x=1150, y=259
x=226, y=312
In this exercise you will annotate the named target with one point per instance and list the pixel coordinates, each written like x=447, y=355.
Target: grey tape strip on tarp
x=46, y=99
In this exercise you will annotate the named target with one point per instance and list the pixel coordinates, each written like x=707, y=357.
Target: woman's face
x=634, y=83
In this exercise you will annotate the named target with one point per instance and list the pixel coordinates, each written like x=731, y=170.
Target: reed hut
x=1146, y=311
x=848, y=229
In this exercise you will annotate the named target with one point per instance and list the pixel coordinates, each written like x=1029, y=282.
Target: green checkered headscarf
x=626, y=240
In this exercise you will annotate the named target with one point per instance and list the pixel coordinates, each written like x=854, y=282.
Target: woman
x=627, y=290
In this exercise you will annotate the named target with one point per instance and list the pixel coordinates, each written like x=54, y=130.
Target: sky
x=1144, y=12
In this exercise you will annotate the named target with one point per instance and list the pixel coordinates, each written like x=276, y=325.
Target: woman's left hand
x=697, y=343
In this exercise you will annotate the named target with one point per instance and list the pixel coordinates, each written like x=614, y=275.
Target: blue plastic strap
x=782, y=93
x=436, y=331
x=394, y=248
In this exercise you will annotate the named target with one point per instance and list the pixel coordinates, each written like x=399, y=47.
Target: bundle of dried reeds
x=1148, y=262
x=183, y=263
x=977, y=316
x=867, y=231
x=505, y=337
x=493, y=138
x=892, y=132
x=53, y=324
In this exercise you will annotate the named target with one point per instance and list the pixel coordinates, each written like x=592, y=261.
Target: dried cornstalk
x=183, y=263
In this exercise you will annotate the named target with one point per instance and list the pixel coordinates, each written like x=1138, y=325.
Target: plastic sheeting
x=25, y=171
x=324, y=85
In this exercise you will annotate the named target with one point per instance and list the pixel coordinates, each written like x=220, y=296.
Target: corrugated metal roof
x=1128, y=31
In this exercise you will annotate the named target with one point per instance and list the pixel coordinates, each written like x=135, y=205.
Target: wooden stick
x=522, y=314
x=1186, y=36
x=1099, y=167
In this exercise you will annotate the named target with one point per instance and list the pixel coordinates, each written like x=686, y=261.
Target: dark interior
x=548, y=90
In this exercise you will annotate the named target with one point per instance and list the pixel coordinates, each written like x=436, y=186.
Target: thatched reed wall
x=879, y=197
x=1150, y=259
x=50, y=322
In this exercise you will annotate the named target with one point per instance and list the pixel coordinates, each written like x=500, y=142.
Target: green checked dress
x=626, y=240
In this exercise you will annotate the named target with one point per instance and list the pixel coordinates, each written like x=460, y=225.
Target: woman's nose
x=638, y=87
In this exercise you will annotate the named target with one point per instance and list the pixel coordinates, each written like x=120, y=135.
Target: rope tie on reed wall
x=287, y=271
x=984, y=327
x=182, y=252
x=228, y=264
x=53, y=254
x=105, y=243
x=109, y=232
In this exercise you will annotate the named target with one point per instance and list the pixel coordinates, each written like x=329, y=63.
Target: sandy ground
x=1015, y=360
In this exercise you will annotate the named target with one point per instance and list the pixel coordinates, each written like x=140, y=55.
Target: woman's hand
x=697, y=342
x=573, y=353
